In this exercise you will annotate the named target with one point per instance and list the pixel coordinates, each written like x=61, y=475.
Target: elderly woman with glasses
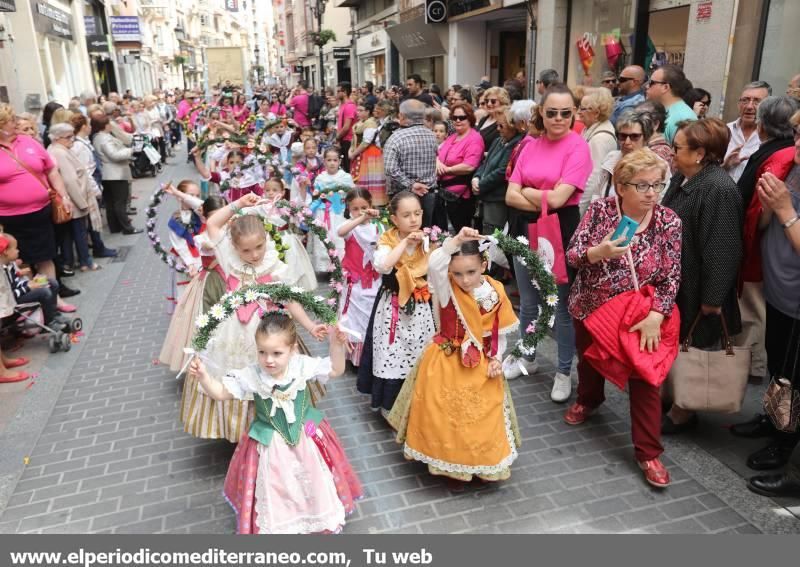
x=604, y=271
x=633, y=131
x=709, y=204
x=555, y=166
x=496, y=99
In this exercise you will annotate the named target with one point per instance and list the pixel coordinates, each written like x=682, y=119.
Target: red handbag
x=545, y=239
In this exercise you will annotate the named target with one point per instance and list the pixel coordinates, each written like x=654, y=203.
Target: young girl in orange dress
x=402, y=320
x=455, y=412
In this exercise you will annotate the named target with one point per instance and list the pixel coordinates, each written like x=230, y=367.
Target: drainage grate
x=122, y=254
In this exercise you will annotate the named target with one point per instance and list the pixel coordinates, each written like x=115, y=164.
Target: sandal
x=17, y=362
x=67, y=308
x=18, y=377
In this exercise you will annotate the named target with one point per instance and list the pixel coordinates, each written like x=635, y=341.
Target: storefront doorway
x=512, y=55
x=668, y=29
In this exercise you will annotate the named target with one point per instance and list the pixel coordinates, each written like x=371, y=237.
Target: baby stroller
x=146, y=159
x=29, y=321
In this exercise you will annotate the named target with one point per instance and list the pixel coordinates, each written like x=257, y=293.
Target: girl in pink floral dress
x=289, y=473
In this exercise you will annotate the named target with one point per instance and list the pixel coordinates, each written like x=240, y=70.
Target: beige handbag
x=782, y=398
x=710, y=381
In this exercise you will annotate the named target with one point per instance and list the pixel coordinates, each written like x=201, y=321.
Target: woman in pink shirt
x=240, y=110
x=459, y=156
x=555, y=166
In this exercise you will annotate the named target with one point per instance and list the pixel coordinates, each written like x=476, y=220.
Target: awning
x=416, y=39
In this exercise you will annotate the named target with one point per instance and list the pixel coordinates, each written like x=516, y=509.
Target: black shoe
x=669, y=427
x=770, y=457
x=759, y=426
x=131, y=212
x=132, y=231
x=107, y=253
x=774, y=485
x=65, y=292
x=67, y=272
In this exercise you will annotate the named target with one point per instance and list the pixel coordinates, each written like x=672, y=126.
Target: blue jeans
x=529, y=310
x=47, y=297
x=78, y=235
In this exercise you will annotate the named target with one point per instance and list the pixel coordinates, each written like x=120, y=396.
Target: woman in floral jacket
x=604, y=272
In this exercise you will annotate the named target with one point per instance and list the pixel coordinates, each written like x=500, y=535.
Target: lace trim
x=473, y=469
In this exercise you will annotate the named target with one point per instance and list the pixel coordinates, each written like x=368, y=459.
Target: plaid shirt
x=409, y=156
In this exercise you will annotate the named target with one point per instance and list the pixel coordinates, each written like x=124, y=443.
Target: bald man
x=631, y=92
x=793, y=90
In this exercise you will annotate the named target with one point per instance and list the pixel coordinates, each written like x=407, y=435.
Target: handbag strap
x=543, y=212
x=727, y=344
x=26, y=168
x=796, y=342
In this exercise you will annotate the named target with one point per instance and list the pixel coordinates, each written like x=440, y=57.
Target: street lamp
x=318, y=10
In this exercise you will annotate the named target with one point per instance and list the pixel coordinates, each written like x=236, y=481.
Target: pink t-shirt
x=543, y=164
x=347, y=110
x=20, y=192
x=300, y=105
x=453, y=151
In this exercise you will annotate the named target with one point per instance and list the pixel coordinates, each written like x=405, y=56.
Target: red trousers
x=645, y=400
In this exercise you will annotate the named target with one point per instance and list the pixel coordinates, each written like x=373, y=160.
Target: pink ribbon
x=245, y=312
x=327, y=216
x=395, y=318
x=350, y=284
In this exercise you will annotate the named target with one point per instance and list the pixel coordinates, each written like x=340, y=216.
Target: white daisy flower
x=202, y=321
x=250, y=296
x=236, y=302
x=552, y=300
x=225, y=297
x=319, y=298
x=297, y=289
x=217, y=312
x=523, y=240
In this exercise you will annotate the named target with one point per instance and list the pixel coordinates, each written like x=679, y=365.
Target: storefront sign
x=125, y=29
x=8, y=6
x=90, y=25
x=97, y=43
x=341, y=53
x=50, y=20
x=414, y=39
x=704, y=12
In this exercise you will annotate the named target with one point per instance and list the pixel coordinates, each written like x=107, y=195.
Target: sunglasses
x=625, y=79
x=492, y=101
x=652, y=82
x=552, y=113
x=633, y=137
x=611, y=81
x=459, y=117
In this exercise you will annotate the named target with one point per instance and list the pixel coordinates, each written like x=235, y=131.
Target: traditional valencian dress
x=300, y=271
x=231, y=346
x=328, y=208
x=289, y=474
x=188, y=242
x=400, y=325
x=361, y=285
x=450, y=413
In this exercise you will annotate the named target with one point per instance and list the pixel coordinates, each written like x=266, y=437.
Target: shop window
x=781, y=44
x=668, y=30
x=605, y=29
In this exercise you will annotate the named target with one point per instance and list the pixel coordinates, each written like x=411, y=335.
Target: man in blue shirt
x=667, y=85
x=631, y=93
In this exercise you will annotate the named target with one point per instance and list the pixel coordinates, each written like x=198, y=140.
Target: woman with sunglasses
x=459, y=156
x=633, y=131
x=496, y=99
x=710, y=206
x=555, y=166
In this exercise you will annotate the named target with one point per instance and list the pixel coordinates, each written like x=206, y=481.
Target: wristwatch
x=790, y=222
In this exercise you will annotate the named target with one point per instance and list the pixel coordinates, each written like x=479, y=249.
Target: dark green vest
x=264, y=426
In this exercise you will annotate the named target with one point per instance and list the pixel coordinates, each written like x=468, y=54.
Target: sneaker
x=655, y=473
x=562, y=388
x=577, y=414
x=512, y=367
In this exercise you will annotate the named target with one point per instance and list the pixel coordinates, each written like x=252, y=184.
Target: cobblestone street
x=95, y=445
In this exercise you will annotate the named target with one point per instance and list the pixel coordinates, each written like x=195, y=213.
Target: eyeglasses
x=633, y=136
x=750, y=100
x=704, y=102
x=612, y=81
x=652, y=82
x=625, y=79
x=645, y=187
x=459, y=117
x=552, y=113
